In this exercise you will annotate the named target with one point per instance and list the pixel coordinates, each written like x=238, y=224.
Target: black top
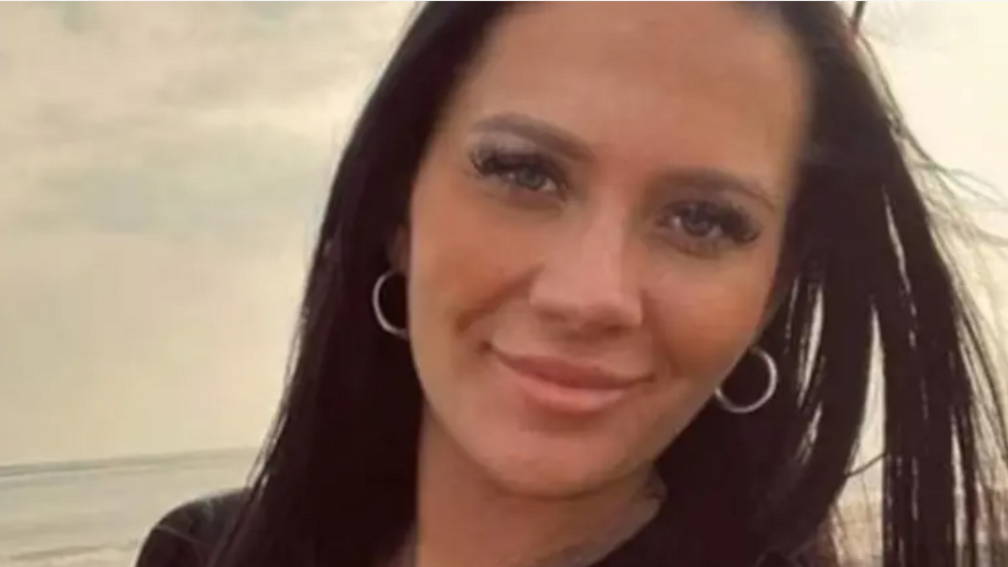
x=186, y=536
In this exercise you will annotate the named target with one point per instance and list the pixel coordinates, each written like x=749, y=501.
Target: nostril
x=586, y=279
x=593, y=299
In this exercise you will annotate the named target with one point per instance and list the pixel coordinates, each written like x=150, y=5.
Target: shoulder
x=185, y=536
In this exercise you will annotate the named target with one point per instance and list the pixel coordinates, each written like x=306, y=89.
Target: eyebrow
x=716, y=181
x=557, y=140
x=537, y=131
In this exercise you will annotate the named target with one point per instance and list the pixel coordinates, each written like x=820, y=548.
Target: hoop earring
x=771, y=387
x=383, y=321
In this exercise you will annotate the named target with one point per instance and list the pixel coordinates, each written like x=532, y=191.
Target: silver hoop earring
x=383, y=321
x=771, y=387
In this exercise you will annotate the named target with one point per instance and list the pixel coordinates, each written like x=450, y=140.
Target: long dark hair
x=864, y=275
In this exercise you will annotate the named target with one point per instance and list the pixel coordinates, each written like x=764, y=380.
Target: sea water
x=97, y=514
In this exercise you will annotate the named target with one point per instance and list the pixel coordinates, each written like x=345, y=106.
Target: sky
x=162, y=167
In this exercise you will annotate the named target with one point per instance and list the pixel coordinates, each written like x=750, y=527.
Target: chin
x=528, y=450
x=543, y=483
x=548, y=468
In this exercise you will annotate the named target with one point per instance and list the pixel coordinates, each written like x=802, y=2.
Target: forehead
x=683, y=81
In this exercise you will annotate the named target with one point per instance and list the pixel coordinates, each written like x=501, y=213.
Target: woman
x=600, y=285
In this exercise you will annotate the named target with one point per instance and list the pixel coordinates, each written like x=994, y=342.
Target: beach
x=96, y=514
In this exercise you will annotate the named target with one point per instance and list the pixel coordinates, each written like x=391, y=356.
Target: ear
x=398, y=250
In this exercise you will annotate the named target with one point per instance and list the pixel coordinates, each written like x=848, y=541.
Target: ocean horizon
x=97, y=513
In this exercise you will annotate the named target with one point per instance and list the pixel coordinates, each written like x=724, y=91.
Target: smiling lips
x=561, y=386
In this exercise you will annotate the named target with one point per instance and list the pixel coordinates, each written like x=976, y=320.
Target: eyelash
x=504, y=165
x=722, y=225
x=730, y=225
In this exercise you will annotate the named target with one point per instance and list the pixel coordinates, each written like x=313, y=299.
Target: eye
x=705, y=227
x=525, y=170
x=699, y=220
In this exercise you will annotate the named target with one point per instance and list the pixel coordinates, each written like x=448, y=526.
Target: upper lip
x=565, y=372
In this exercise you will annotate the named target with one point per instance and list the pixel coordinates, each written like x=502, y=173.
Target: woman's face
x=595, y=232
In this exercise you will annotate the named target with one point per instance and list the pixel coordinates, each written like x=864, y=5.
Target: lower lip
x=559, y=398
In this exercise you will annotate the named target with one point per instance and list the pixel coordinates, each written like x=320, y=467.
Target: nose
x=586, y=282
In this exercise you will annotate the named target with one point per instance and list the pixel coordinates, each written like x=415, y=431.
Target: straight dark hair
x=864, y=272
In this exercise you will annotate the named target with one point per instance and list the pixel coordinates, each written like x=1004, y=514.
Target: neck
x=465, y=519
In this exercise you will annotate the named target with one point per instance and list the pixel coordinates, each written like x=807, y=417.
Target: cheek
x=464, y=259
x=705, y=319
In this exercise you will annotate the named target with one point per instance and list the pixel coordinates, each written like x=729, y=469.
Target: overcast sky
x=161, y=172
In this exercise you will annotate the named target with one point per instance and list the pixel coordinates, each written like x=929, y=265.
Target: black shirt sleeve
x=186, y=536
